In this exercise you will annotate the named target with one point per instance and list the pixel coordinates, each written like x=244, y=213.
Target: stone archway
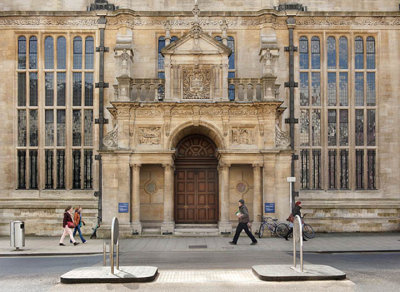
x=196, y=181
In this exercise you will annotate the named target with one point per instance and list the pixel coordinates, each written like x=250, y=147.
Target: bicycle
x=280, y=229
x=308, y=231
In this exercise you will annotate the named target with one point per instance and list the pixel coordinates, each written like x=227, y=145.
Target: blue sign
x=269, y=207
x=123, y=207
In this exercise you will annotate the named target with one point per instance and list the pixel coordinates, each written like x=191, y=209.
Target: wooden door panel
x=196, y=195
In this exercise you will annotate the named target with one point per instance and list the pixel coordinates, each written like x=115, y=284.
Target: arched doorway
x=196, y=181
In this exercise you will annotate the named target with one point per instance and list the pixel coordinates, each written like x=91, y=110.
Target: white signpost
x=291, y=180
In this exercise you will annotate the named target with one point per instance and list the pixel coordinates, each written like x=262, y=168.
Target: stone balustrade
x=147, y=89
x=248, y=89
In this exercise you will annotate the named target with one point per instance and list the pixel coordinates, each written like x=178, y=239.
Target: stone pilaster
x=168, y=225
x=224, y=224
x=257, y=199
x=269, y=180
x=136, y=224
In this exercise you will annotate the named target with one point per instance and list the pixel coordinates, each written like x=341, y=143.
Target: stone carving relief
x=282, y=138
x=196, y=83
x=111, y=138
x=149, y=135
x=243, y=136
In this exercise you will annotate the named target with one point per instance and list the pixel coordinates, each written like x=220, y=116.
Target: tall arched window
x=22, y=52
x=42, y=125
x=160, y=45
x=331, y=51
x=89, y=53
x=77, y=53
x=310, y=113
x=32, y=52
x=336, y=127
x=48, y=53
x=231, y=60
x=61, y=53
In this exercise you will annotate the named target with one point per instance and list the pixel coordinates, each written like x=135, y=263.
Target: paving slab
x=289, y=273
x=125, y=274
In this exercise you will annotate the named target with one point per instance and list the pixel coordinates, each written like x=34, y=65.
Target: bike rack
x=297, y=236
x=114, y=244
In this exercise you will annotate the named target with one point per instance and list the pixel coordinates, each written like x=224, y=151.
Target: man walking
x=243, y=216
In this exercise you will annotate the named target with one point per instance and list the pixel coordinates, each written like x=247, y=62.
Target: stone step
x=196, y=232
x=207, y=226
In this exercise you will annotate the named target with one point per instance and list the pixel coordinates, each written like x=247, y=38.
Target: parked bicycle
x=308, y=231
x=279, y=229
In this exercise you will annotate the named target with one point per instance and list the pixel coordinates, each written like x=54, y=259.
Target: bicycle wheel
x=282, y=230
x=308, y=231
x=261, y=230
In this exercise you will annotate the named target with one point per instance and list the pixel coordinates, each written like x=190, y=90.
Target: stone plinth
x=126, y=274
x=288, y=273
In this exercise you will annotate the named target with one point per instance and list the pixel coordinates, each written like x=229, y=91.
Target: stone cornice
x=211, y=19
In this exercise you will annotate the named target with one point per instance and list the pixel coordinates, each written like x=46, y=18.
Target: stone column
x=224, y=224
x=269, y=180
x=257, y=199
x=168, y=225
x=135, y=209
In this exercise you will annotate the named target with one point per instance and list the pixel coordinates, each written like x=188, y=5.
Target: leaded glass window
x=311, y=110
x=77, y=53
x=45, y=105
x=337, y=112
x=33, y=53
x=48, y=53
x=22, y=52
x=365, y=112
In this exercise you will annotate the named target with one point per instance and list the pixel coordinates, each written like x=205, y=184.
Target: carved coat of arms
x=196, y=83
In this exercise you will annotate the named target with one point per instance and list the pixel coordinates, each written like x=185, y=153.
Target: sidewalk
x=322, y=243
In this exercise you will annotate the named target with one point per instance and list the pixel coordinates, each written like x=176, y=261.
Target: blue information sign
x=123, y=207
x=269, y=207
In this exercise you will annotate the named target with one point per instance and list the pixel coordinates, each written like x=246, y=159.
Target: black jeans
x=239, y=229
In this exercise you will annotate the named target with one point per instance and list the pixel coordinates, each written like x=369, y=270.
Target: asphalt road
x=369, y=271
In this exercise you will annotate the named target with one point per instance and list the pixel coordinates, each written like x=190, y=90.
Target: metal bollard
x=117, y=255
x=112, y=257
x=104, y=253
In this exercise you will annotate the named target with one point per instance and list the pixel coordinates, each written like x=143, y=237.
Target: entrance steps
x=196, y=230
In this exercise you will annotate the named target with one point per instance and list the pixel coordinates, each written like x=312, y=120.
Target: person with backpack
x=67, y=225
x=78, y=223
x=243, y=217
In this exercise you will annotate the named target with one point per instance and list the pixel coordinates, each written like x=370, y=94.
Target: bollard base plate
x=288, y=273
x=125, y=274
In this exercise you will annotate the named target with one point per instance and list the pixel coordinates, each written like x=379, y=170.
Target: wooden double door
x=196, y=195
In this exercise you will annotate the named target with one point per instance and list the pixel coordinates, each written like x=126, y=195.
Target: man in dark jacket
x=243, y=215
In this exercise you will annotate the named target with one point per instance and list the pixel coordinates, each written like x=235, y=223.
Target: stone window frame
x=161, y=71
x=234, y=38
x=42, y=107
x=351, y=112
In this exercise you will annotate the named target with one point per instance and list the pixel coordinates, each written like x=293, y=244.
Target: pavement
x=322, y=243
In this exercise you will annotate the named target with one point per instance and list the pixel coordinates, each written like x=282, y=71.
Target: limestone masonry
x=196, y=97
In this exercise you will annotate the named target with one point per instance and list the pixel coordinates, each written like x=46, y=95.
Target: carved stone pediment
x=196, y=42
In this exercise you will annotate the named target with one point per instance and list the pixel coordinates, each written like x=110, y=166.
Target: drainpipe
x=291, y=23
x=101, y=120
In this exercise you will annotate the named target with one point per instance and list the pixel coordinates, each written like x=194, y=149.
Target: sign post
x=291, y=180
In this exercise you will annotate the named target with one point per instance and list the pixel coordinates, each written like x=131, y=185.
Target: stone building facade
x=166, y=113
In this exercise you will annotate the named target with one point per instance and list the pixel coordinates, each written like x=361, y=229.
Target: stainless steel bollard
x=104, y=253
x=117, y=255
x=112, y=257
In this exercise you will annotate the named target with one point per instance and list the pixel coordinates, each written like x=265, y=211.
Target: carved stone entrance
x=196, y=181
